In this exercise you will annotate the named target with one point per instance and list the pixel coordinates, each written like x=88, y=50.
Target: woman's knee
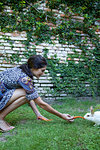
x=18, y=93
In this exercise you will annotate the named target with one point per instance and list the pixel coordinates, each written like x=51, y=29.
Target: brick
x=8, y=51
x=47, y=9
x=7, y=44
x=70, y=52
x=0, y=36
x=54, y=48
x=44, y=81
x=65, y=46
x=1, y=47
x=2, y=69
x=37, y=84
x=48, y=94
x=47, y=85
x=45, y=44
x=24, y=60
x=52, y=37
x=63, y=58
x=51, y=51
x=22, y=49
x=18, y=38
x=1, y=40
x=15, y=34
x=58, y=45
x=56, y=42
x=1, y=54
x=67, y=49
x=7, y=65
x=78, y=17
x=61, y=49
x=17, y=45
x=5, y=62
x=39, y=47
x=17, y=42
x=39, y=50
x=9, y=34
x=45, y=77
x=7, y=47
x=42, y=91
x=72, y=46
x=16, y=49
x=78, y=50
x=1, y=33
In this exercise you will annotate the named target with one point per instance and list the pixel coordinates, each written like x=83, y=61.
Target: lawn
x=31, y=134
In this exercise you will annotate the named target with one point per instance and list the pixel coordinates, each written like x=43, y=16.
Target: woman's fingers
x=43, y=118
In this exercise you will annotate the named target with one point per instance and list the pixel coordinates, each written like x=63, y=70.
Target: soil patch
x=4, y=135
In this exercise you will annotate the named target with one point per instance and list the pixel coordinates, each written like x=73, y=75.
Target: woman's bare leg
x=12, y=105
x=16, y=95
x=18, y=99
x=17, y=103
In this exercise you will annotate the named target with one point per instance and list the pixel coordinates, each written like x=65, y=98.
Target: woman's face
x=38, y=72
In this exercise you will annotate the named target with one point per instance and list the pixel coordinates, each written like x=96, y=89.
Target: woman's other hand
x=43, y=118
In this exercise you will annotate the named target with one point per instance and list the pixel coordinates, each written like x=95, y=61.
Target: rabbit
x=93, y=116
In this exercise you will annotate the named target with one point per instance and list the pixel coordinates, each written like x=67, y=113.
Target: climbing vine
x=80, y=78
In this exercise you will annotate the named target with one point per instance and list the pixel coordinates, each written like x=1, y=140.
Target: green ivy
x=81, y=79
x=74, y=79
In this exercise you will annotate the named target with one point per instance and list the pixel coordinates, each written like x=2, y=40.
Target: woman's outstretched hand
x=68, y=117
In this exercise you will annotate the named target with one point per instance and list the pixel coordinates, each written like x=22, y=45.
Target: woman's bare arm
x=48, y=108
x=34, y=108
x=36, y=111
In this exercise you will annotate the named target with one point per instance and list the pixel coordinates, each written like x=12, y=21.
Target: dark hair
x=36, y=62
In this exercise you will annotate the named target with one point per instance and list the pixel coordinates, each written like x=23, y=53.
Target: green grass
x=31, y=134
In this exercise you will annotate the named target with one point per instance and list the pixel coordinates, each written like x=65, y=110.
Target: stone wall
x=11, y=43
x=16, y=39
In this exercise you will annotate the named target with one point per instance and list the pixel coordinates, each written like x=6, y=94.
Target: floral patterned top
x=14, y=78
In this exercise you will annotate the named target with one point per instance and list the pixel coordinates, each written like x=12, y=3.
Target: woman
x=16, y=89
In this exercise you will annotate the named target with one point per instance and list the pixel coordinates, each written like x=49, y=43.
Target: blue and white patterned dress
x=13, y=79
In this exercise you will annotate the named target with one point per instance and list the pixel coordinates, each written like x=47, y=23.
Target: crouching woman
x=17, y=88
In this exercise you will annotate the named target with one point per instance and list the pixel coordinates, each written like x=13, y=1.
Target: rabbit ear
x=91, y=110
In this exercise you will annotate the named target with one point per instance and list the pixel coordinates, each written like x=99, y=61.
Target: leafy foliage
x=80, y=79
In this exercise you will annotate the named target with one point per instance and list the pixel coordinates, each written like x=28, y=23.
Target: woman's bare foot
x=4, y=126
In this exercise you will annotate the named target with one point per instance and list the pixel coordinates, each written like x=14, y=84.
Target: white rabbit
x=93, y=116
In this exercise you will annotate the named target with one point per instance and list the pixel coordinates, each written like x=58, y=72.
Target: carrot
x=78, y=117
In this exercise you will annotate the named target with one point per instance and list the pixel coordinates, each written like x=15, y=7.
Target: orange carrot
x=78, y=117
